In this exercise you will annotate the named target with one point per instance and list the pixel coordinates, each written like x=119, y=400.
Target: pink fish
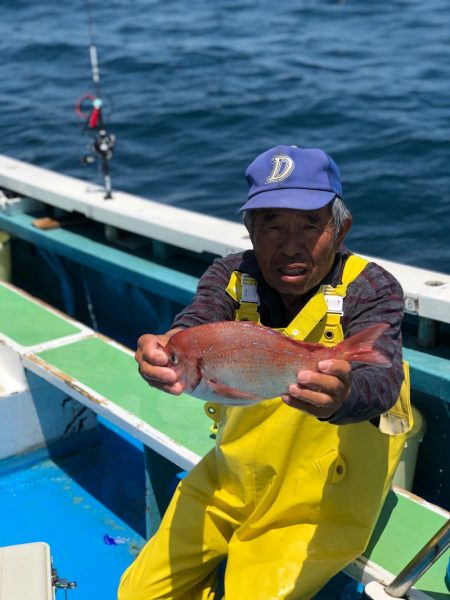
x=240, y=362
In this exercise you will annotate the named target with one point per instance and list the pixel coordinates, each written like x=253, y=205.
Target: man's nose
x=293, y=243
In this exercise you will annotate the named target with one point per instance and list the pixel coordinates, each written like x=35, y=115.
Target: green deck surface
x=403, y=528
x=28, y=323
x=113, y=374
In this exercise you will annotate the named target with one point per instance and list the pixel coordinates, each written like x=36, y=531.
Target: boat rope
x=89, y=107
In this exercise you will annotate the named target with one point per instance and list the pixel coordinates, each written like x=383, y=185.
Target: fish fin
x=231, y=393
x=359, y=347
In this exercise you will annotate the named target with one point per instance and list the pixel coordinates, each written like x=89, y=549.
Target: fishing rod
x=104, y=142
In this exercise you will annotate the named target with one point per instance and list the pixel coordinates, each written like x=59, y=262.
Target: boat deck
x=102, y=375
x=88, y=506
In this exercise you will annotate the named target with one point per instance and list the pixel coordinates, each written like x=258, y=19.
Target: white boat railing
x=427, y=293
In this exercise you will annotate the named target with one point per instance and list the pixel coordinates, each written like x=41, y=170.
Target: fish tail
x=359, y=347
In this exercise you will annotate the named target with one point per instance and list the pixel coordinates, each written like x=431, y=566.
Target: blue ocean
x=194, y=91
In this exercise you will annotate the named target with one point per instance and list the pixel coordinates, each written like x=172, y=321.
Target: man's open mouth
x=293, y=272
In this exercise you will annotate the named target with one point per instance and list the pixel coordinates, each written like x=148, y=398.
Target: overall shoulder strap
x=353, y=267
x=243, y=289
x=319, y=320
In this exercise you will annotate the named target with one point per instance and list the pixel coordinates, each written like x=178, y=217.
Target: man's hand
x=153, y=363
x=321, y=394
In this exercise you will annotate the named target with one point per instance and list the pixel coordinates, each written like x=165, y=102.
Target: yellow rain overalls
x=288, y=499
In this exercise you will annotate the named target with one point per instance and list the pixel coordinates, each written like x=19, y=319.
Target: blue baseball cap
x=291, y=177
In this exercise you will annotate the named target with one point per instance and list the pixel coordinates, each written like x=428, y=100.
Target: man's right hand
x=153, y=362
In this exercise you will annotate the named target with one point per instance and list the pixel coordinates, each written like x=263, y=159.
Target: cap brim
x=295, y=198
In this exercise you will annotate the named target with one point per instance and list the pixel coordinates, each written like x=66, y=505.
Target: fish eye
x=173, y=359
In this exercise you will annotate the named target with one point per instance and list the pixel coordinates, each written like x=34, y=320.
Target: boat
x=90, y=455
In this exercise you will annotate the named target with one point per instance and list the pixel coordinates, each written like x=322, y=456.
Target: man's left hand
x=321, y=393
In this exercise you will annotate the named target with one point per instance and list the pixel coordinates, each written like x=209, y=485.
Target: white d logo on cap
x=283, y=165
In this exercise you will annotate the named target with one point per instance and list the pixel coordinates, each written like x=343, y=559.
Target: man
x=293, y=488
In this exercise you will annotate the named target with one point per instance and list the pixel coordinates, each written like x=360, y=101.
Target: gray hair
x=339, y=214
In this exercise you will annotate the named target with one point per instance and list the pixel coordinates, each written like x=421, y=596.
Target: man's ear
x=343, y=232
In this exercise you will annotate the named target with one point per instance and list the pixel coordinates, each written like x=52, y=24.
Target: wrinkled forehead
x=267, y=215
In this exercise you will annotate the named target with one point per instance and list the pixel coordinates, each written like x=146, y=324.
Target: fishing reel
x=104, y=142
x=103, y=146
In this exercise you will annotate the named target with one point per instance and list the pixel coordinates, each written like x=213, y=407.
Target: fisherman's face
x=295, y=249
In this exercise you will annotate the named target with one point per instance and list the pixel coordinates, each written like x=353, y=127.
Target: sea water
x=194, y=91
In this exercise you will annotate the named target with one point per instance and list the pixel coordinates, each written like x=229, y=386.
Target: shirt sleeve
x=374, y=297
x=211, y=302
